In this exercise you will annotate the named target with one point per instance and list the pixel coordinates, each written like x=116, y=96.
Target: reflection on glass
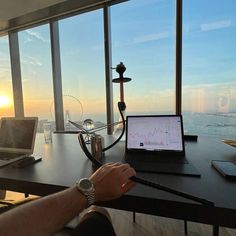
x=36, y=70
x=6, y=93
x=209, y=87
x=35, y=57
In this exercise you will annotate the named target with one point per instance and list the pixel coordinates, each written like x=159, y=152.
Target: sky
x=143, y=38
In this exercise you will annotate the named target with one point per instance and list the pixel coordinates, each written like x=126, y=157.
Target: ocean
x=222, y=125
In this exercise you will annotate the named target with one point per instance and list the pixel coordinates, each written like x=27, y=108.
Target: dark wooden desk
x=63, y=163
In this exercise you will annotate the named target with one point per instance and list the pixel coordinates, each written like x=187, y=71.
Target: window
x=209, y=59
x=83, y=69
x=6, y=94
x=143, y=38
x=35, y=57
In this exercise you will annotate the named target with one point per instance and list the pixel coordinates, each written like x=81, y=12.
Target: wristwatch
x=86, y=187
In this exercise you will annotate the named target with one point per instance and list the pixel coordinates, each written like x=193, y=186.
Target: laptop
x=17, y=138
x=155, y=143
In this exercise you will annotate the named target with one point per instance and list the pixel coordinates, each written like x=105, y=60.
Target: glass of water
x=47, y=130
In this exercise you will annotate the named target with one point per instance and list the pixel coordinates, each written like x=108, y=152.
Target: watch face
x=85, y=184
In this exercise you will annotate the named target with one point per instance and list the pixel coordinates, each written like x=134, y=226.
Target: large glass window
x=82, y=60
x=209, y=71
x=6, y=93
x=36, y=70
x=143, y=38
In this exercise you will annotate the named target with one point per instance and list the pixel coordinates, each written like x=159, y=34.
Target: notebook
x=17, y=138
x=155, y=143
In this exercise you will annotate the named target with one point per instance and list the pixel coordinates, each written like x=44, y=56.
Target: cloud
x=210, y=85
x=4, y=39
x=36, y=35
x=216, y=25
x=142, y=39
x=4, y=59
x=151, y=37
x=28, y=39
x=31, y=61
x=5, y=75
x=5, y=65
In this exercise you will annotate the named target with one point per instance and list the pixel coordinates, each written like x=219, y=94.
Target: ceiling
x=20, y=14
x=14, y=8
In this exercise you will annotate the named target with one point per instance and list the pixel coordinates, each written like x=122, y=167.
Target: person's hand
x=112, y=181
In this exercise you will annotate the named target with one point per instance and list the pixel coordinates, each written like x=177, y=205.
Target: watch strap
x=90, y=195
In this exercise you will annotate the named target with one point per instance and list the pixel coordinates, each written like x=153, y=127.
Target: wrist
x=86, y=188
x=83, y=202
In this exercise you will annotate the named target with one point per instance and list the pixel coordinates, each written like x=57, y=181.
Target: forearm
x=45, y=216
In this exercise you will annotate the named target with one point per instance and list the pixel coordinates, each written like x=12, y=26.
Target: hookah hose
x=137, y=179
x=121, y=106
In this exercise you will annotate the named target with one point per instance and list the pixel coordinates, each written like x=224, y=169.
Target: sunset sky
x=143, y=37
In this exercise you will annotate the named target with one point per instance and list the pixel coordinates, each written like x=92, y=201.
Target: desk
x=63, y=163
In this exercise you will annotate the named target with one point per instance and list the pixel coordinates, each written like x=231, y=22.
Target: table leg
x=185, y=227
x=133, y=216
x=215, y=230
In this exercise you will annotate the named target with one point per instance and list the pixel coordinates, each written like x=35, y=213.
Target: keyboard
x=6, y=156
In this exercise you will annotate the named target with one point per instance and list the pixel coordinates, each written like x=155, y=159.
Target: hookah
x=98, y=151
x=120, y=69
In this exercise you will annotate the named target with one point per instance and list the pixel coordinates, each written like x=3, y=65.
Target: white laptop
x=17, y=138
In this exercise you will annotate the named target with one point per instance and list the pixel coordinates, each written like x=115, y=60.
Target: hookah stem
x=121, y=90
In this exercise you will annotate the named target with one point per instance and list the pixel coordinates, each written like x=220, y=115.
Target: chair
x=2, y=194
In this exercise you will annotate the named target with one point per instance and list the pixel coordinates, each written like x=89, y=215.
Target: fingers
x=124, y=168
x=112, y=180
x=129, y=171
x=125, y=173
x=129, y=185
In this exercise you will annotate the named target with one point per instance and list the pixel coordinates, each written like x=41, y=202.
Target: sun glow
x=4, y=101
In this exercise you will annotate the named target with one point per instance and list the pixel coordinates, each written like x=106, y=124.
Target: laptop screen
x=18, y=134
x=154, y=133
